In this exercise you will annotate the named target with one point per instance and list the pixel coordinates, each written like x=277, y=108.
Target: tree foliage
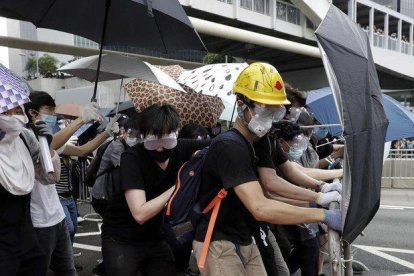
x=47, y=65
x=211, y=58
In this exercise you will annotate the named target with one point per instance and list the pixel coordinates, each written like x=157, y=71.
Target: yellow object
x=262, y=83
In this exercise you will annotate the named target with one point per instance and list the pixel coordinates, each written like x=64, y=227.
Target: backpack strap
x=215, y=205
x=25, y=142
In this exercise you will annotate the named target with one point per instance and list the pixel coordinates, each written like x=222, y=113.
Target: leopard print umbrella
x=193, y=107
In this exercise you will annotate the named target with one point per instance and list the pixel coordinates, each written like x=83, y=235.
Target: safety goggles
x=273, y=113
x=294, y=113
x=168, y=141
x=300, y=142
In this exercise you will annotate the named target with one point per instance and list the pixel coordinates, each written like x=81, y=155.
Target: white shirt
x=45, y=206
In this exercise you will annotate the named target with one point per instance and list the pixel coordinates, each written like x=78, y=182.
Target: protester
x=55, y=214
x=193, y=131
x=132, y=240
x=230, y=164
x=20, y=252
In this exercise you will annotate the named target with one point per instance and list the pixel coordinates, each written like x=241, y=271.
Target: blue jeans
x=71, y=213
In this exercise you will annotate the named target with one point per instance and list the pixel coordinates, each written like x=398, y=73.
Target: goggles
x=274, y=113
x=294, y=113
x=168, y=141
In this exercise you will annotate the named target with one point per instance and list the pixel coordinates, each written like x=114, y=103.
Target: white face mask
x=261, y=121
x=21, y=118
x=131, y=141
x=10, y=128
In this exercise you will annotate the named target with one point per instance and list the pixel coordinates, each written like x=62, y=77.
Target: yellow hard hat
x=262, y=83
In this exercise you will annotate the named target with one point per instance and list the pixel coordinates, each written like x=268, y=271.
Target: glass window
x=247, y=4
x=293, y=15
x=281, y=11
x=259, y=6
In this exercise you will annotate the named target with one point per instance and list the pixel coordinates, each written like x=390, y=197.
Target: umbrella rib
x=159, y=30
x=44, y=14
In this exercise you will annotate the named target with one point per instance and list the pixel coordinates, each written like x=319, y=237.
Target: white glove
x=90, y=113
x=334, y=186
x=325, y=198
x=73, y=140
x=113, y=126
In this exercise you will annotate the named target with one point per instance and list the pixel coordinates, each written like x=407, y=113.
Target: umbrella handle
x=232, y=114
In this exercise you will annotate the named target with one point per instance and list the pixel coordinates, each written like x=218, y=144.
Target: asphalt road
x=386, y=249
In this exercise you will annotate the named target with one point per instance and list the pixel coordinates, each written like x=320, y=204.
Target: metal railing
x=399, y=165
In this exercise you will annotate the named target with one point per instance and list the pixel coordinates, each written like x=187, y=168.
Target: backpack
x=93, y=168
x=183, y=210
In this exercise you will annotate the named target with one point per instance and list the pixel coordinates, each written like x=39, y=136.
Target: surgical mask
x=295, y=153
x=262, y=118
x=320, y=133
x=131, y=141
x=50, y=120
x=168, y=141
x=160, y=156
x=10, y=128
x=21, y=118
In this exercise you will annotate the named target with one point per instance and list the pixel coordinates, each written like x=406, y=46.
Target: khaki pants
x=222, y=259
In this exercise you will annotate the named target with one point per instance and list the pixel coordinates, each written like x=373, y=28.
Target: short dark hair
x=37, y=100
x=158, y=120
x=286, y=130
x=193, y=131
x=132, y=122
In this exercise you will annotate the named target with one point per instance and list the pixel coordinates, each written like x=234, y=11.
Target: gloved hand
x=40, y=128
x=90, y=113
x=73, y=140
x=334, y=186
x=324, y=199
x=113, y=127
x=333, y=218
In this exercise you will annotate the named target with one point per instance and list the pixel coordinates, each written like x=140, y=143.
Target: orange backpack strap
x=215, y=203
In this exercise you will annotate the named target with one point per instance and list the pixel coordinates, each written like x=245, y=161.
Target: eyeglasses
x=168, y=141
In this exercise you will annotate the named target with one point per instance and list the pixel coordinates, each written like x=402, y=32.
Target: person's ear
x=33, y=114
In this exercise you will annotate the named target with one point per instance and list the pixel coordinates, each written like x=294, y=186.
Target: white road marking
x=87, y=247
x=378, y=251
x=395, y=207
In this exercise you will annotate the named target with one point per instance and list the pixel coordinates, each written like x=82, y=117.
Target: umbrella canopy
x=193, y=107
x=152, y=24
x=174, y=71
x=157, y=24
x=348, y=61
x=115, y=67
x=215, y=80
x=68, y=109
x=13, y=90
x=401, y=121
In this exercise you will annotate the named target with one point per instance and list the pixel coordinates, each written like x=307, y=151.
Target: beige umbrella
x=193, y=107
x=68, y=109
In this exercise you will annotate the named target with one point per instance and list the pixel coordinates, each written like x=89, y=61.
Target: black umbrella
x=153, y=24
x=126, y=108
x=351, y=72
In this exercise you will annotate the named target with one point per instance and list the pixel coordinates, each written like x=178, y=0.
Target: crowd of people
x=278, y=176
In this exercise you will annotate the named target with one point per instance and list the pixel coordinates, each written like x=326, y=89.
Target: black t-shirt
x=228, y=164
x=139, y=171
x=269, y=153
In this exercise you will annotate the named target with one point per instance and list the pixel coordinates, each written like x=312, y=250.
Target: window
x=261, y=6
x=247, y=4
x=287, y=13
x=281, y=11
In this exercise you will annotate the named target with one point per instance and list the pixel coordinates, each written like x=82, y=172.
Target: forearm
x=323, y=174
x=276, y=212
x=61, y=137
x=86, y=148
x=295, y=174
x=288, y=200
x=143, y=213
x=277, y=185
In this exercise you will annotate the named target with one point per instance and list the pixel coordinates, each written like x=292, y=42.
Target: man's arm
x=143, y=210
x=272, y=211
x=320, y=174
x=276, y=185
x=295, y=174
x=60, y=138
x=86, y=148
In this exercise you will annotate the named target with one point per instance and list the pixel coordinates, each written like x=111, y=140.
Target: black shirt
x=228, y=164
x=17, y=234
x=139, y=171
x=269, y=153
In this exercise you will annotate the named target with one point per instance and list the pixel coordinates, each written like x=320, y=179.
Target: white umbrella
x=115, y=67
x=215, y=80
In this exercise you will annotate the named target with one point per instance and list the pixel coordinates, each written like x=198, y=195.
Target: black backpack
x=93, y=168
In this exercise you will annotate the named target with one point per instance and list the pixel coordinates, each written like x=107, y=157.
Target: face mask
x=320, y=133
x=22, y=118
x=160, y=156
x=131, y=141
x=50, y=120
x=10, y=128
x=261, y=121
x=295, y=153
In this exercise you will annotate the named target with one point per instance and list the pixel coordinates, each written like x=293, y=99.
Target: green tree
x=47, y=65
x=31, y=66
x=211, y=58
